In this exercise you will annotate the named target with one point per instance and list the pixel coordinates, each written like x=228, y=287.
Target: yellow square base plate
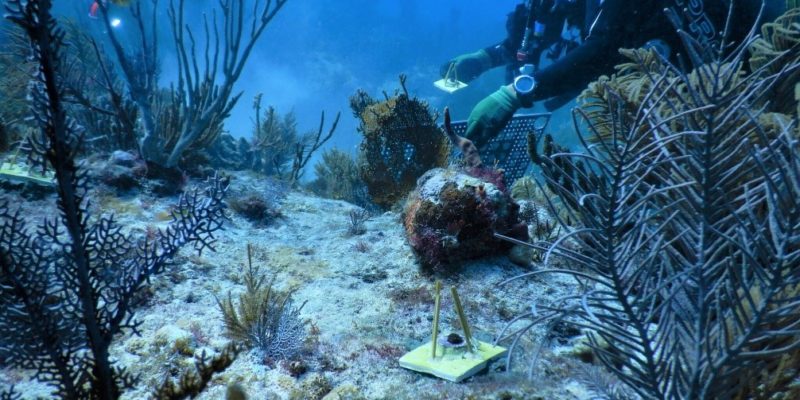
x=453, y=365
x=449, y=85
x=15, y=173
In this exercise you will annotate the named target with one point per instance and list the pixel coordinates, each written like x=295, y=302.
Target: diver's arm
x=471, y=65
x=500, y=53
x=505, y=52
x=597, y=55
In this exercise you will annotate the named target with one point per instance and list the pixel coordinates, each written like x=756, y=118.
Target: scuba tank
x=537, y=22
x=538, y=32
x=542, y=14
x=531, y=47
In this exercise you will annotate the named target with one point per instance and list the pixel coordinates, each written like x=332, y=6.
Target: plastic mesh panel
x=509, y=149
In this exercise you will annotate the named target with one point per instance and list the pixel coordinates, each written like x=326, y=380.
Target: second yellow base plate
x=449, y=85
x=16, y=173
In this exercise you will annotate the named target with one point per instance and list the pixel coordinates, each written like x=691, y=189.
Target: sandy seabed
x=366, y=300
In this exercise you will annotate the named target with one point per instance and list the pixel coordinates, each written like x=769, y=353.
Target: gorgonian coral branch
x=66, y=287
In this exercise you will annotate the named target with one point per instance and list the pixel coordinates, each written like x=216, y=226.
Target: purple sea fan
x=280, y=333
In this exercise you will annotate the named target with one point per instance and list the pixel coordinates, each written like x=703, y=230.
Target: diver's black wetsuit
x=619, y=24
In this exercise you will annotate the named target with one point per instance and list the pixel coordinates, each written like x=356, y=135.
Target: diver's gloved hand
x=491, y=115
x=468, y=66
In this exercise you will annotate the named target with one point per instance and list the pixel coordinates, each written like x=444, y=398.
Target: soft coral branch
x=66, y=288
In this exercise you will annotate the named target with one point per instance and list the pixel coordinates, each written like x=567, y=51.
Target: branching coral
x=95, y=94
x=338, y=178
x=687, y=234
x=67, y=288
x=778, y=47
x=203, y=96
x=401, y=142
x=273, y=140
x=265, y=317
x=648, y=76
x=193, y=382
x=278, y=150
x=140, y=70
x=636, y=79
x=357, y=219
x=17, y=70
x=165, y=104
x=308, y=145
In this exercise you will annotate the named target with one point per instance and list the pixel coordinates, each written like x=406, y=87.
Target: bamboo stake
x=463, y=318
x=436, y=308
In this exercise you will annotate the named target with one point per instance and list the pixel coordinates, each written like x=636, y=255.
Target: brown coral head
x=518, y=231
x=495, y=176
x=454, y=227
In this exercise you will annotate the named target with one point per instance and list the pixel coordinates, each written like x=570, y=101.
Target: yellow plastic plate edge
x=449, y=368
x=14, y=172
x=449, y=86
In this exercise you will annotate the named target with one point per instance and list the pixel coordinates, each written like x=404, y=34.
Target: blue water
x=316, y=53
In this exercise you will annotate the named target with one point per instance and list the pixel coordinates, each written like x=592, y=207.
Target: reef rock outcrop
x=452, y=216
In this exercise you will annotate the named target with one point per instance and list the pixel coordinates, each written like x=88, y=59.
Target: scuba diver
x=605, y=26
x=531, y=28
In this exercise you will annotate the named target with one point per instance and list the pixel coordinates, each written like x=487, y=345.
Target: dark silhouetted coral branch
x=307, y=147
x=66, y=287
x=687, y=202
